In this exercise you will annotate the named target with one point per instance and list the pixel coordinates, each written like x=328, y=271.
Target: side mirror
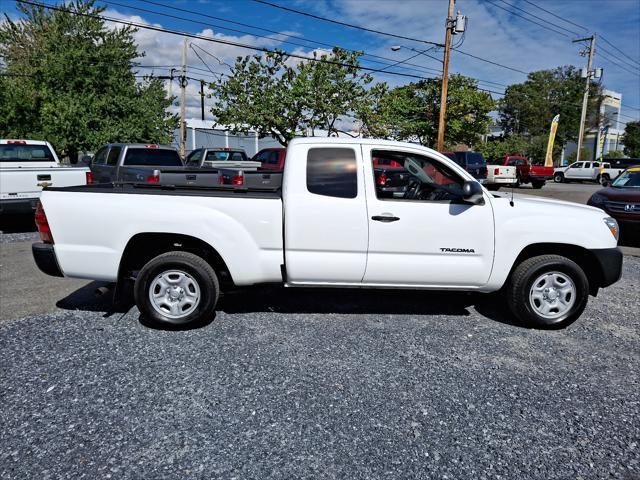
x=472, y=193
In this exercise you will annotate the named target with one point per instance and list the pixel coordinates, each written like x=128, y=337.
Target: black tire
x=537, y=184
x=558, y=178
x=518, y=183
x=605, y=180
x=196, y=270
x=520, y=285
x=493, y=187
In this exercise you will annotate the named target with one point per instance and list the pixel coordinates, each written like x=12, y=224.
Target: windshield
x=25, y=153
x=154, y=157
x=224, y=155
x=627, y=179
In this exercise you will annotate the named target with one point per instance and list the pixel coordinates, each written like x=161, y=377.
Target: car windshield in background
x=153, y=157
x=630, y=178
x=25, y=153
x=213, y=156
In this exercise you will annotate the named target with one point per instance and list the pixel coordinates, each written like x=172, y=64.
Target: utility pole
x=202, y=99
x=183, y=85
x=585, y=98
x=445, y=75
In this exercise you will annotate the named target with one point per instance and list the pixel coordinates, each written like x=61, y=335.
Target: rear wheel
x=537, y=184
x=548, y=291
x=493, y=187
x=558, y=178
x=177, y=289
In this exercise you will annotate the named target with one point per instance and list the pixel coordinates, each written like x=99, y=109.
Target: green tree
x=267, y=94
x=631, y=139
x=527, y=108
x=70, y=79
x=495, y=149
x=411, y=112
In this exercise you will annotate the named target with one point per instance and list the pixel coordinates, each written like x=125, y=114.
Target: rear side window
x=217, y=156
x=114, y=154
x=475, y=159
x=332, y=172
x=25, y=153
x=101, y=156
x=152, y=157
x=194, y=158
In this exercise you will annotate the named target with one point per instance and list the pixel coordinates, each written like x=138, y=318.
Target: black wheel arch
x=585, y=258
x=143, y=247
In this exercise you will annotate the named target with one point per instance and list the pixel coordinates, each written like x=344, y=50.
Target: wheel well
x=144, y=246
x=585, y=259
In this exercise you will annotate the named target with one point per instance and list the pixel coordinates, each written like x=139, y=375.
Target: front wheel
x=548, y=291
x=177, y=289
x=558, y=178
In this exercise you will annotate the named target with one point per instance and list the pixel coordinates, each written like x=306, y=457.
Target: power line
x=556, y=15
x=344, y=24
x=622, y=67
x=620, y=51
x=539, y=18
x=623, y=61
x=525, y=18
x=217, y=40
x=485, y=60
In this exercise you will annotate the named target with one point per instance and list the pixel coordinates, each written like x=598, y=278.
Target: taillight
x=381, y=179
x=89, y=178
x=496, y=171
x=43, y=224
x=154, y=177
x=237, y=179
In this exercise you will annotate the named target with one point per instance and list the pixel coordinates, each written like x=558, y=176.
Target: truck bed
x=245, y=225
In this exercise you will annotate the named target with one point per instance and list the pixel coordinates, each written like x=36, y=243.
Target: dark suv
x=472, y=162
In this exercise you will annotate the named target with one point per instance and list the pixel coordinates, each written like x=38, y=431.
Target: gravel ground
x=18, y=237
x=324, y=384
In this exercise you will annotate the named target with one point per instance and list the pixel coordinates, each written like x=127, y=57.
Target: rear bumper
x=610, y=262
x=18, y=205
x=45, y=257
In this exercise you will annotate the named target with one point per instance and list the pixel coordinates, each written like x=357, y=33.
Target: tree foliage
x=68, y=79
x=631, y=139
x=270, y=95
x=527, y=108
x=411, y=112
x=495, y=149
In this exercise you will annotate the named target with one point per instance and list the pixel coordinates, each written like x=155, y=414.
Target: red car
x=271, y=158
x=621, y=200
x=536, y=175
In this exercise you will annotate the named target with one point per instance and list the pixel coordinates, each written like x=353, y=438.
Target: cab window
x=100, y=158
x=332, y=172
x=419, y=178
x=194, y=158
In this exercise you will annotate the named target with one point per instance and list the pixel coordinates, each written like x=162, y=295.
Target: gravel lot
x=324, y=384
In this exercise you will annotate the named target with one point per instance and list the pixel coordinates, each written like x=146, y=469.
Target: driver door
x=429, y=239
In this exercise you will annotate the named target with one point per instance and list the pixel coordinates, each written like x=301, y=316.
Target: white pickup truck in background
x=331, y=224
x=26, y=167
x=500, y=176
x=598, y=172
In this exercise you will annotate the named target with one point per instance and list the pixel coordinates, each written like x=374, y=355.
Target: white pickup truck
x=331, y=225
x=26, y=167
x=501, y=176
x=598, y=172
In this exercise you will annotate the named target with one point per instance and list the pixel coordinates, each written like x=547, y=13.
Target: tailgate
x=541, y=171
x=27, y=183
x=501, y=171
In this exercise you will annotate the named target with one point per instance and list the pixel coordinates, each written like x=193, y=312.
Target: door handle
x=385, y=218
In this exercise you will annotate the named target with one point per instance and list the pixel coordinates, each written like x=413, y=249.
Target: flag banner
x=603, y=140
x=548, y=161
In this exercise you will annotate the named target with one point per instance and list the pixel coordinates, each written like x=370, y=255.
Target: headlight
x=613, y=227
x=597, y=199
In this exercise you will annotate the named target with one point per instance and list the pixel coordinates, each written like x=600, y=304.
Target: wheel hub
x=552, y=295
x=174, y=293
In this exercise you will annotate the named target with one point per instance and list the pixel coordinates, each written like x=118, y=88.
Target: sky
x=495, y=31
